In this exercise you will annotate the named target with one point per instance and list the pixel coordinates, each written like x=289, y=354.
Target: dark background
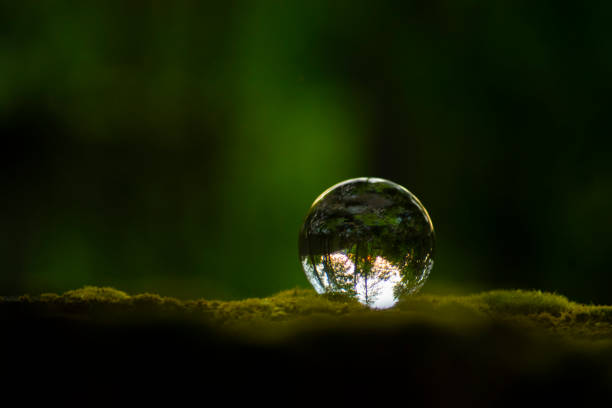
x=176, y=148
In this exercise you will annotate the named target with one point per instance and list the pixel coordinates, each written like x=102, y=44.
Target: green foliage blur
x=175, y=147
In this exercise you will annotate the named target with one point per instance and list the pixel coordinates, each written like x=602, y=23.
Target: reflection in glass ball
x=368, y=238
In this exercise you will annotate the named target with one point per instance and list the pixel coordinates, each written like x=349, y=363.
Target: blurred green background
x=176, y=147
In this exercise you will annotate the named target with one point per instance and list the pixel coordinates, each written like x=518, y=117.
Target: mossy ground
x=536, y=311
x=490, y=348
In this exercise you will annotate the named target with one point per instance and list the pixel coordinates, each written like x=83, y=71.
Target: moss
x=548, y=312
x=95, y=294
x=488, y=347
x=524, y=302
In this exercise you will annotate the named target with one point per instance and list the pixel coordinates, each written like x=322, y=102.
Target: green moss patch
x=296, y=309
x=497, y=348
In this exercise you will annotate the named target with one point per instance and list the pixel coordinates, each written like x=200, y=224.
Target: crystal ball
x=368, y=238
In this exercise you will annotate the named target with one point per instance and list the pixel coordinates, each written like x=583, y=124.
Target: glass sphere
x=368, y=238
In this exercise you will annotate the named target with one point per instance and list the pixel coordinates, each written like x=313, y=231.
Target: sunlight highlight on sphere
x=368, y=238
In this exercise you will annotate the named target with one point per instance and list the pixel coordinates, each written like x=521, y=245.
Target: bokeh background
x=176, y=147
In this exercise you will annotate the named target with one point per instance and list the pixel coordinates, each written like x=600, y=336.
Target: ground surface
x=496, y=347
